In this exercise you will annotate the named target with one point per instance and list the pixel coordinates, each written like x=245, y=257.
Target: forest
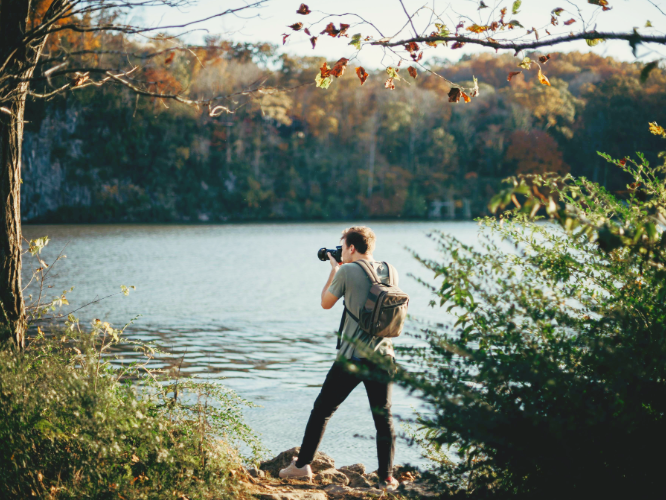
x=351, y=151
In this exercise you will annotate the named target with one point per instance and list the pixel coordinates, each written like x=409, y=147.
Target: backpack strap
x=369, y=271
x=391, y=273
x=342, y=323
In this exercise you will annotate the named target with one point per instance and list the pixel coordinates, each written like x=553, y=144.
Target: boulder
x=358, y=468
x=257, y=473
x=331, y=476
x=356, y=480
x=273, y=466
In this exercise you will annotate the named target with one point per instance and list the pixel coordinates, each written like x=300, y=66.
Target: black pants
x=339, y=383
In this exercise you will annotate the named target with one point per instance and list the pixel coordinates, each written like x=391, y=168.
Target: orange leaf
x=569, y=22
x=296, y=26
x=457, y=45
x=412, y=71
x=543, y=79
x=455, y=94
x=389, y=84
x=475, y=28
x=343, y=30
x=412, y=47
x=169, y=58
x=303, y=9
x=362, y=75
x=465, y=97
x=512, y=74
x=544, y=59
x=324, y=70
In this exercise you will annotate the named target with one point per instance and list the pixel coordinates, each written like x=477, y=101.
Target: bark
x=13, y=21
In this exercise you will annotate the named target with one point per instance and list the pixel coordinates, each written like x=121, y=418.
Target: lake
x=241, y=302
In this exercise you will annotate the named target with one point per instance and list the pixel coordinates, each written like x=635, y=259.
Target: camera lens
x=322, y=254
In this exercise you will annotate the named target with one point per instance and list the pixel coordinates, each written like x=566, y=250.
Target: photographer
x=362, y=358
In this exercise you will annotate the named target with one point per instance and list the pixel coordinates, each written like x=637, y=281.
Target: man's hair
x=361, y=237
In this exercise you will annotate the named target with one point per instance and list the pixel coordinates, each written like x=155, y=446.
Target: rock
x=273, y=466
x=417, y=490
x=372, y=478
x=254, y=472
x=358, y=468
x=331, y=476
x=356, y=480
x=292, y=495
x=405, y=473
x=337, y=491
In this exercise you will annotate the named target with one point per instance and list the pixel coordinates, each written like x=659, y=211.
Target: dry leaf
x=339, y=67
x=330, y=30
x=307, y=32
x=412, y=71
x=544, y=59
x=465, y=97
x=455, y=94
x=569, y=22
x=313, y=41
x=389, y=84
x=543, y=79
x=303, y=9
x=512, y=74
x=169, y=58
x=296, y=26
x=284, y=37
x=362, y=75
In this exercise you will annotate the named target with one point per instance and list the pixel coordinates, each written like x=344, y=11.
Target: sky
x=268, y=23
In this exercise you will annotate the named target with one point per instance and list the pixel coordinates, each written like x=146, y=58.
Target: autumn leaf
x=516, y=5
x=600, y=3
x=457, y=45
x=455, y=94
x=482, y=5
x=544, y=59
x=657, y=129
x=356, y=41
x=324, y=71
x=412, y=71
x=512, y=74
x=339, y=67
x=592, y=42
x=558, y=11
x=475, y=28
x=80, y=79
x=465, y=97
x=313, y=41
x=303, y=9
x=543, y=79
x=514, y=23
x=554, y=21
x=307, y=32
x=362, y=75
x=330, y=30
x=393, y=73
x=296, y=26
x=569, y=22
x=322, y=82
x=526, y=63
x=417, y=58
x=169, y=58
x=389, y=84
x=412, y=47
x=284, y=37
x=343, y=30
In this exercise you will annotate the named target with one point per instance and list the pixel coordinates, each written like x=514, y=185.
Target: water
x=242, y=302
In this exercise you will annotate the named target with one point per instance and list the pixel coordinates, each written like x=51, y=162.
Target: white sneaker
x=293, y=471
x=389, y=484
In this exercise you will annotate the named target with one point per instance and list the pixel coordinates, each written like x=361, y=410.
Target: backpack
x=385, y=309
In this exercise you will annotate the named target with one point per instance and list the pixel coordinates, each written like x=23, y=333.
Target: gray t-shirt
x=351, y=282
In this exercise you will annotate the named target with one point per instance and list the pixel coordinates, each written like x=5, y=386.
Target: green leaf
x=516, y=6
x=526, y=63
x=647, y=69
x=443, y=30
x=322, y=82
x=392, y=73
x=37, y=245
x=648, y=24
x=595, y=41
x=356, y=41
x=514, y=23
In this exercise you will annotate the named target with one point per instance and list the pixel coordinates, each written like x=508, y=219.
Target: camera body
x=337, y=254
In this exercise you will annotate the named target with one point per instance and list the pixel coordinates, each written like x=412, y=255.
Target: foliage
x=74, y=425
x=551, y=382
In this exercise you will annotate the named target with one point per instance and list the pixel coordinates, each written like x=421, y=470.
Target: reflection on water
x=241, y=302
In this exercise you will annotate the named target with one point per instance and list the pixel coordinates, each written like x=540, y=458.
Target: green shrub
x=74, y=426
x=552, y=383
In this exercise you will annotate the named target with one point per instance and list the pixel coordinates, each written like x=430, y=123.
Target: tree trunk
x=20, y=62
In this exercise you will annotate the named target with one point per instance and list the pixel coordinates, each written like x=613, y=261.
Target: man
x=353, y=364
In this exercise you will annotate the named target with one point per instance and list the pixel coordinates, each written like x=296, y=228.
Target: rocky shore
x=352, y=481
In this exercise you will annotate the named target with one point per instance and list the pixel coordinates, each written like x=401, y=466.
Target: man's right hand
x=334, y=263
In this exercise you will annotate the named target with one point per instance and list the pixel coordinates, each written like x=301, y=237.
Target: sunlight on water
x=241, y=302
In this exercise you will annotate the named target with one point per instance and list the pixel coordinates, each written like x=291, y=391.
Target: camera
x=337, y=254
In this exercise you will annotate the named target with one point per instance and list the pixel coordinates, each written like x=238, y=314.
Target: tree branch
x=633, y=39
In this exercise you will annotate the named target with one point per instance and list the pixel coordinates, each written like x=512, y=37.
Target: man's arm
x=328, y=300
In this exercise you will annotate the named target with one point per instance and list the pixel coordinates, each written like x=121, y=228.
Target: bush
x=74, y=426
x=552, y=383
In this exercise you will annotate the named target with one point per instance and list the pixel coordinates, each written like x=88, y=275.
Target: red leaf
x=330, y=30
x=303, y=9
x=362, y=75
x=389, y=84
x=170, y=57
x=296, y=26
x=307, y=32
x=455, y=94
x=313, y=41
x=343, y=29
x=284, y=37
x=412, y=71
x=512, y=74
x=412, y=47
x=339, y=67
x=544, y=59
x=457, y=45
x=324, y=70
x=569, y=22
